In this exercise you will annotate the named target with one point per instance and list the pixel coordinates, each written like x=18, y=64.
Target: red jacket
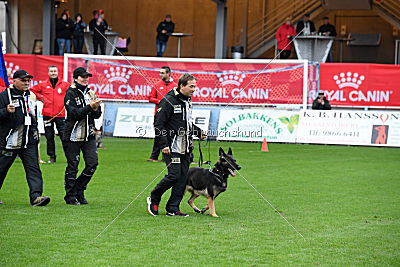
x=156, y=95
x=53, y=99
x=282, y=36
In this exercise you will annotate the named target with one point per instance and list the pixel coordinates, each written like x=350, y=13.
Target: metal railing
x=390, y=6
x=263, y=30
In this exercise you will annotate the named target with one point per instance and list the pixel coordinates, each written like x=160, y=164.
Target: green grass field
x=344, y=200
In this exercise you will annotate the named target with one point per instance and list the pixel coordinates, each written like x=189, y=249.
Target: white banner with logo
x=134, y=122
x=257, y=124
x=370, y=128
x=138, y=122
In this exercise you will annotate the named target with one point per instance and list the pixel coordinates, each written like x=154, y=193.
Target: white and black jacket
x=173, y=123
x=79, y=123
x=15, y=133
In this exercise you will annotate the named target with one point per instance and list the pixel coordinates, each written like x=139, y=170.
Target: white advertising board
x=370, y=128
x=138, y=122
x=257, y=124
x=134, y=122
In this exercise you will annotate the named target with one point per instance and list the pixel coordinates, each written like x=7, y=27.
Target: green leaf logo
x=290, y=122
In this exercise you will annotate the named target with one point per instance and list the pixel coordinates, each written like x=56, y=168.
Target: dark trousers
x=73, y=150
x=49, y=133
x=285, y=54
x=156, y=149
x=78, y=45
x=30, y=160
x=99, y=42
x=176, y=178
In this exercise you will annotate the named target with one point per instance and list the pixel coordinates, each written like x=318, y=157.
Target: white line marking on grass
x=131, y=202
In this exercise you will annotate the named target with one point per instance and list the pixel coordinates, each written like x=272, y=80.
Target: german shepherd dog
x=210, y=183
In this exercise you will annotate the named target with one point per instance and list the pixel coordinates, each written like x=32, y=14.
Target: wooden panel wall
x=139, y=19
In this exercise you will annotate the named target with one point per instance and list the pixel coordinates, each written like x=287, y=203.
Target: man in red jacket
x=161, y=89
x=283, y=35
x=52, y=93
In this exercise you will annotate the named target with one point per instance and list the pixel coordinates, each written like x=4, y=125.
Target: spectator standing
x=327, y=29
x=19, y=135
x=99, y=35
x=321, y=102
x=158, y=92
x=79, y=135
x=93, y=20
x=164, y=29
x=52, y=92
x=283, y=36
x=306, y=24
x=79, y=28
x=64, y=30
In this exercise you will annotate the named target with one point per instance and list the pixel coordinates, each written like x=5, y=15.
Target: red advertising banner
x=217, y=82
x=368, y=85
x=36, y=65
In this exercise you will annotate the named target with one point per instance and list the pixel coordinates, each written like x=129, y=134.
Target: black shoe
x=52, y=160
x=81, y=198
x=71, y=201
x=153, y=209
x=177, y=213
x=41, y=201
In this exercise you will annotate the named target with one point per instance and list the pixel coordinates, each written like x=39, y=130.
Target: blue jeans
x=160, y=48
x=63, y=43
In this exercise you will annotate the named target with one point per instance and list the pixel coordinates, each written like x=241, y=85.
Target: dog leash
x=201, y=153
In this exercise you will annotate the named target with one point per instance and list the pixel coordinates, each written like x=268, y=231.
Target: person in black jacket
x=164, y=29
x=174, y=129
x=19, y=135
x=64, y=29
x=82, y=108
x=79, y=28
x=99, y=36
x=98, y=25
x=327, y=29
x=321, y=102
x=307, y=25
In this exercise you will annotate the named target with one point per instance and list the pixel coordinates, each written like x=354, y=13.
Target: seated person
x=321, y=102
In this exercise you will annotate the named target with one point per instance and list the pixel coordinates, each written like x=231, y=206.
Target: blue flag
x=3, y=70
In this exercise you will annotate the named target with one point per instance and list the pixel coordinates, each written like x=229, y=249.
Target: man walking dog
x=174, y=130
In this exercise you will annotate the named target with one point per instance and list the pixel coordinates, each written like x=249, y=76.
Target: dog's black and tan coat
x=210, y=183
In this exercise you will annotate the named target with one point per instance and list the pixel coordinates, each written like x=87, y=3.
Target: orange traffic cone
x=264, y=147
